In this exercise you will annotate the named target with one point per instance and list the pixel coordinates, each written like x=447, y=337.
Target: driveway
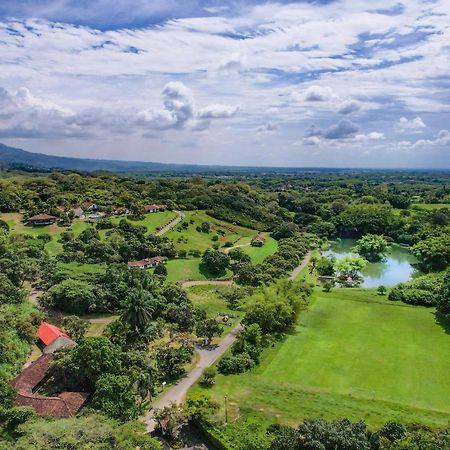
x=169, y=226
x=177, y=393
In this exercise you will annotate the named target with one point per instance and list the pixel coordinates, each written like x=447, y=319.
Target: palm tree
x=138, y=311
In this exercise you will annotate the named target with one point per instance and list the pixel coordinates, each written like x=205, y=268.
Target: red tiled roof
x=42, y=217
x=146, y=261
x=259, y=237
x=47, y=333
x=149, y=207
x=65, y=404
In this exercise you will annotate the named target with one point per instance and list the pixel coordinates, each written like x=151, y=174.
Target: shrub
x=235, y=364
x=327, y=286
x=381, y=290
x=208, y=377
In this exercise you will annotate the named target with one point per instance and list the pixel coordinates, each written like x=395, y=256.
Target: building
x=258, y=241
x=52, y=338
x=89, y=206
x=65, y=404
x=152, y=208
x=78, y=213
x=120, y=210
x=42, y=219
x=147, y=263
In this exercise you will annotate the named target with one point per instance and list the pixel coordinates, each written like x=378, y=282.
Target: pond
x=396, y=268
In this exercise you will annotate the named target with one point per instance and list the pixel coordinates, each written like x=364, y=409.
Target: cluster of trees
x=319, y=434
x=270, y=313
x=291, y=251
x=122, y=243
x=93, y=431
x=427, y=290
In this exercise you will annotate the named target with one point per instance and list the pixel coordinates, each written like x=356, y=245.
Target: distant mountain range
x=11, y=157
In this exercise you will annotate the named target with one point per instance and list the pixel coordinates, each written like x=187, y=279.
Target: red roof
x=47, y=333
x=42, y=217
x=65, y=404
x=152, y=207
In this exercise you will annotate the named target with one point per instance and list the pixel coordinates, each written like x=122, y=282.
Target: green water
x=395, y=268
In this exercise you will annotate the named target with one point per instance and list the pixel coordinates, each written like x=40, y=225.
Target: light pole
x=226, y=409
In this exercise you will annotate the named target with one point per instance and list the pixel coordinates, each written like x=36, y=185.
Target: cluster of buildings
x=89, y=210
x=147, y=263
x=28, y=382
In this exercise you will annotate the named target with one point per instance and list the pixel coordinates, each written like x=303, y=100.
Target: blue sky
x=346, y=83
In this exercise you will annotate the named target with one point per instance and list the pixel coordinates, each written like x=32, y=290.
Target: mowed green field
x=353, y=355
x=258, y=254
x=188, y=269
x=191, y=239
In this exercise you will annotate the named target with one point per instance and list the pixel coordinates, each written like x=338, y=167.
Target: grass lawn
x=151, y=220
x=353, y=355
x=191, y=239
x=430, y=206
x=257, y=254
x=187, y=269
x=208, y=299
x=14, y=220
x=80, y=270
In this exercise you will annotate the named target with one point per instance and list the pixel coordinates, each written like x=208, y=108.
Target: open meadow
x=192, y=239
x=353, y=354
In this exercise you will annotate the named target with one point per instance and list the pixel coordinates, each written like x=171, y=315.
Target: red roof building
x=66, y=404
x=152, y=208
x=47, y=333
x=42, y=219
x=147, y=262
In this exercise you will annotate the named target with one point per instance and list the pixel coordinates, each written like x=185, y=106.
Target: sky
x=344, y=83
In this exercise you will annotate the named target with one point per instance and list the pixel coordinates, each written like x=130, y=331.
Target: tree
x=10, y=293
x=443, y=300
x=72, y=296
x=208, y=328
x=433, y=253
x=371, y=247
x=92, y=358
x=170, y=361
x=214, y=261
x=285, y=230
x=350, y=266
x=161, y=270
x=169, y=419
x=92, y=431
x=325, y=266
x=138, y=310
x=114, y=397
x=381, y=290
x=75, y=327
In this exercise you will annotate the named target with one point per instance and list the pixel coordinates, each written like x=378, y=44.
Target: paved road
x=299, y=268
x=169, y=226
x=177, y=393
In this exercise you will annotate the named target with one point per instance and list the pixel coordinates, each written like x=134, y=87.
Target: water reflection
x=396, y=268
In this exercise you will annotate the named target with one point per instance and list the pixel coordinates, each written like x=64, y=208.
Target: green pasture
x=354, y=354
x=258, y=254
x=188, y=269
x=191, y=239
x=208, y=298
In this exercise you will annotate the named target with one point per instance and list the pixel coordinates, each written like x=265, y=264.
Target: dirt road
x=299, y=268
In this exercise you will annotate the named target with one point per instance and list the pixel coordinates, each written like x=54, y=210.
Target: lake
x=395, y=268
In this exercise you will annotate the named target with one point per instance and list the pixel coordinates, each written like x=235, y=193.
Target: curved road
x=177, y=393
